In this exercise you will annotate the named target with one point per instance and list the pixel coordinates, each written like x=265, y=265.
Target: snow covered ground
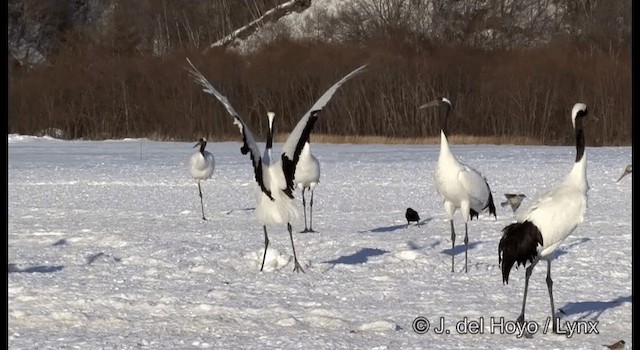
x=107, y=250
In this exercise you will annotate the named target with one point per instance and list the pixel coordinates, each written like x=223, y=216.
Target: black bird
x=514, y=200
x=412, y=215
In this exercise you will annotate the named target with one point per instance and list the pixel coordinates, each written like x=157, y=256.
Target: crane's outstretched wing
x=300, y=134
x=514, y=200
x=249, y=143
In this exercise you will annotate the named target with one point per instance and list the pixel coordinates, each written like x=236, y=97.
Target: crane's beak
x=623, y=175
x=197, y=144
x=430, y=104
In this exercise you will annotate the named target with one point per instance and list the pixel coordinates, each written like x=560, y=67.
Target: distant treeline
x=97, y=91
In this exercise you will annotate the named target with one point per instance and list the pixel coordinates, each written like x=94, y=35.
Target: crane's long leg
x=453, y=243
x=311, y=213
x=266, y=244
x=549, y=286
x=304, y=209
x=526, y=286
x=466, y=245
x=201, y=202
x=297, y=267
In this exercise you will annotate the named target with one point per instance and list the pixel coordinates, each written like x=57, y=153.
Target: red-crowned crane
x=306, y=177
x=548, y=221
x=459, y=185
x=275, y=175
x=201, y=166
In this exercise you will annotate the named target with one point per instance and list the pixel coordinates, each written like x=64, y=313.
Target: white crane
x=306, y=177
x=274, y=175
x=201, y=166
x=549, y=220
x=459, y=185
x=626, y=171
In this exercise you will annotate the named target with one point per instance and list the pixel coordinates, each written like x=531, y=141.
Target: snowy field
x=107, y=250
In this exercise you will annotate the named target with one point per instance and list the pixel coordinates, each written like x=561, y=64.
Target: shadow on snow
x=564, y=250
x=60, y=242
x=459, y=249
x=90, y=259
x=592, y=309
x=395, y=227
x=13, y=268
x=359, y=257
x=244, y=210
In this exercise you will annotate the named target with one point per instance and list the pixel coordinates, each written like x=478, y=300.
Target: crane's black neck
x=579, y=138
x=202, y=146
x=270, y=136
x=445, y=108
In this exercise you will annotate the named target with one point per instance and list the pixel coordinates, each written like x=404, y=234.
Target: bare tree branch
x=272, y=15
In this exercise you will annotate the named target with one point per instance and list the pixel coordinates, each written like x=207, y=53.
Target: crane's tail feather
x=519, y=244
x=492, y=207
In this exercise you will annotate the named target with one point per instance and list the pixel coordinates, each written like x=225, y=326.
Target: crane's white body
x=202, y=165
x=307, y=173
x=306, y=177
x=557, y=213
x=282, y=208
x=459, y=185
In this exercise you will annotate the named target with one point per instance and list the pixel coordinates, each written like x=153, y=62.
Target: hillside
x=107, y=69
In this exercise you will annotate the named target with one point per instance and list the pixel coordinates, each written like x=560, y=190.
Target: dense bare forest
x=97, y=69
